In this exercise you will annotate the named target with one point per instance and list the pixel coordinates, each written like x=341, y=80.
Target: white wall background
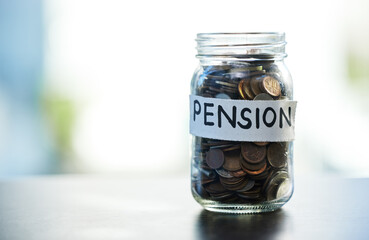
x=128, y=65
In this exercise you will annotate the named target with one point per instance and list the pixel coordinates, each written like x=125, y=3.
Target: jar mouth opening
x=241, y=45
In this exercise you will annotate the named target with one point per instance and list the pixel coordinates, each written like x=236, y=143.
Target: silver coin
x=232, y=85
x=222, y=96
x=284, y=188
x=275, y=182
x=263, y=96
x=250, y=184
x=224, y=173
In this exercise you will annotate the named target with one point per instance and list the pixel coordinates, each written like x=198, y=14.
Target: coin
x=261, y=143
x=239, y=173
x=261, y=176
x=221, y=196
x=255, y=81
x=250, y=184
x=277, y=154
x=215, y=187
x=274, y=183
x=232, y=85
x=224, y=173
x=231, y=148
x=252, y=153
x=257, y=171
x=222, y=96
x=251, y=194
x=240, y=89
x=232, y=161
x=215, y=143
x=263, y=96
x=231, y=181
x=252, y=167
x=267, y=180
x=215, y=158
x=284, y=188
x=209, y=173
x=205, y=179
x=238, y=186
x=246, y=87
x=234, y=172
x=246, y=69
x=271, y=86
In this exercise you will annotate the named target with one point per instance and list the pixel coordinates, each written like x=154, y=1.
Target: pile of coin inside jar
x=241, y=172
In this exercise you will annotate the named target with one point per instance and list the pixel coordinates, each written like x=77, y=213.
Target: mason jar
x=242, y=118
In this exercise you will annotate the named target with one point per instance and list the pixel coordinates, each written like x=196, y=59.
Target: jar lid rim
x=241, y=44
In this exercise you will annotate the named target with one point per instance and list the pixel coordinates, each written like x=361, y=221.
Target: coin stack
x=241, y=172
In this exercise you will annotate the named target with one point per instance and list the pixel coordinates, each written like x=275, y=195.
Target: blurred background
x=102, y=86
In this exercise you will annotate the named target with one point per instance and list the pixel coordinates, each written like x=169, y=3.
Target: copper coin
x=261, y=143
x=239, y=173
x=215, y=158
x=205, y=180
x=257, y=171
x=215, y=187
x=271, y=86
x=262, y=176
x=237, y=186
x=232, y=161
x=220, y=196
x=277, y=154
x=252, y=167
x=252, y=153
x=231, y=181
x=255, y=82
x=247, y=89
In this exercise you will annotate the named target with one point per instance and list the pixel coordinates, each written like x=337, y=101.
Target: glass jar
x=242, y=119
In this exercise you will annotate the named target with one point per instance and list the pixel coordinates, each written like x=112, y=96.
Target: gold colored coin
x=255, y=83
x=247, y=89
x=271, y=86
x=240, y=89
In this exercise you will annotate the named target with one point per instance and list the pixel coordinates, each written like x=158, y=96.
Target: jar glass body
x=224, y=175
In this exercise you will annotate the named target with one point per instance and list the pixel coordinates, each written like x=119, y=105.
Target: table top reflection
x=121, y=207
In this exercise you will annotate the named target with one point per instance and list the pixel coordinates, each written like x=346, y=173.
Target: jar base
x=250, y=209
x=262, y=207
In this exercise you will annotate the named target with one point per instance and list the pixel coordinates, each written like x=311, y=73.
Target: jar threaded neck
x=248, y=46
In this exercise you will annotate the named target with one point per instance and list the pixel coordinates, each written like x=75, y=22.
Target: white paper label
x=242, y=120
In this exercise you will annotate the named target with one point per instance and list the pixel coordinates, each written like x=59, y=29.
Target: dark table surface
x=118, y=207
